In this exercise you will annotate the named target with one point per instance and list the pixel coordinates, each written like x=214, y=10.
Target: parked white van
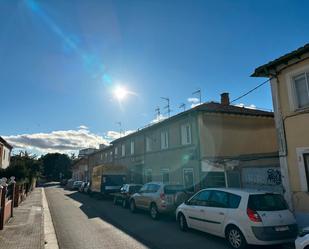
x=241, y=216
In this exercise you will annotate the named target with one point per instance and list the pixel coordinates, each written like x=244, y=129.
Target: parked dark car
x=69, y=184
x=76, y=185
x=126, y=191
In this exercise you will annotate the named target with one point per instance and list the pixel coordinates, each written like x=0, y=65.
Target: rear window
x=172, y=189
x=267, y=202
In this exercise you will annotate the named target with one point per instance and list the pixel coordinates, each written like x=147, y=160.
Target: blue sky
x=61, y=60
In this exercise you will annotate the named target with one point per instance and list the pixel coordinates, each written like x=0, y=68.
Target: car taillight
x=253, y=215
x=162, y=196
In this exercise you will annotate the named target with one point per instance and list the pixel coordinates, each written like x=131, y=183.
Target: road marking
x=50, y=237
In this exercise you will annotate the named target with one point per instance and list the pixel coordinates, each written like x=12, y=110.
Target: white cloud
x=158, y=119
x=112, y=135
x=193, y=100
x=83, y=127
x=64, y=141
x=249, y=106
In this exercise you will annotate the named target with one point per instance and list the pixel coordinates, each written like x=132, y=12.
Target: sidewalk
x=26, y=229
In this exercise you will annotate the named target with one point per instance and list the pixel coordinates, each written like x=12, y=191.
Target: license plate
x=281, y=229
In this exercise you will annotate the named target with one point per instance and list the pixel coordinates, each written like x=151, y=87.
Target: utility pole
x=199, y=94
x=167, y=106
x=183, y=105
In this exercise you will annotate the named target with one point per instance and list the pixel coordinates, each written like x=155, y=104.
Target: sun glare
x=120, y=93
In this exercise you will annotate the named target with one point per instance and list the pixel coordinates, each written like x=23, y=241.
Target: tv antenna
x=167, y=105
x=158, y=113
x=183, y=105
x=199, y=94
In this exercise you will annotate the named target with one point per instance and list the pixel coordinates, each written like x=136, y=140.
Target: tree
x=56, y=166
x=24, y=166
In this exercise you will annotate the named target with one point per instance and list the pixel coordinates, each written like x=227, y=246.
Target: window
x=200, y=199
x=148, y=144
x=123, y=150
x=234, y=200
x=111, y=156
x=148, y=175
x=165, y=175
x=186, y=134
x=116, y=151
x=152, y=188
x=188, y=179
x=132, y=147
x=301, y=86
x=306, y=160
x=218, y=199
x=164, y=140
x=267, y=202
x=144, y=188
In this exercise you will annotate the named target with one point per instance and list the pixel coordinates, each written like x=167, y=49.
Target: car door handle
x=202, y=210
x=221, y=213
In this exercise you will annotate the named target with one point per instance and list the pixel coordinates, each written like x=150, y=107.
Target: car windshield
x=172, y=189
x=267, y=202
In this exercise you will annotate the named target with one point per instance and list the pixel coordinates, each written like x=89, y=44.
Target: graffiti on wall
x=274, y=176
x=261, y=176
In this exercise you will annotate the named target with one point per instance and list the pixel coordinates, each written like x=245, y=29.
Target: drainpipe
x=281, y=126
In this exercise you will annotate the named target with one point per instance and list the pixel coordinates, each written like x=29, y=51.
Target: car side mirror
x=187, y=202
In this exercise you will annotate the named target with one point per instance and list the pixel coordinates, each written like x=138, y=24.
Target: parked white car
x=302, y=241
x=241, y=216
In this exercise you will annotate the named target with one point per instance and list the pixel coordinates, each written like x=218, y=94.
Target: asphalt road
x=82, y=222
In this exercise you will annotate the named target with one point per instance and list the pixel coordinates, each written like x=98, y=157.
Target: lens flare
x=120, y=93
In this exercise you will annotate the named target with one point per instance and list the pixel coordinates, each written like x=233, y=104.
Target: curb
x=50, y=237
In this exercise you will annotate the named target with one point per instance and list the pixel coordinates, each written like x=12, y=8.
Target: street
x=82, y=222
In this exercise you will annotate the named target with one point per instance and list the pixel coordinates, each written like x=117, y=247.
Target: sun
x=120, y=93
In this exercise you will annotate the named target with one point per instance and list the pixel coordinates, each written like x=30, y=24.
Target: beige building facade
x=211, y=145
x=289, y=79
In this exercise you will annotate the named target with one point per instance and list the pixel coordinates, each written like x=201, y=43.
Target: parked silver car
x=158, y=198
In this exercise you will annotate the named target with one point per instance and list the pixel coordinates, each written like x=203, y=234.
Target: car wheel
x=154, y=212
x=132, y=206
x=182, y=222
x=115, y=200
x=124, y=203
x=235, y=238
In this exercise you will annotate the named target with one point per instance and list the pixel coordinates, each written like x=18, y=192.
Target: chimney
x=225, y=100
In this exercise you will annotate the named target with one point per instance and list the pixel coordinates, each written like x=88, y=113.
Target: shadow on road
x=147, y=231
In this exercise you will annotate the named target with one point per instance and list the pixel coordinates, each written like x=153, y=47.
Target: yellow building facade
x=289, y=79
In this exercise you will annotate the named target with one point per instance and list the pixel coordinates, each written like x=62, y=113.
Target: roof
x=209, y=107
x=5, y=143
x=263, y=71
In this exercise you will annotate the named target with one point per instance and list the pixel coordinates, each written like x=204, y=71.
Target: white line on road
x=49, y=231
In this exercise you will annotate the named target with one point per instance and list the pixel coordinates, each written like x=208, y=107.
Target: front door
x=196, y=210
x=137, y=174
x=216, y=211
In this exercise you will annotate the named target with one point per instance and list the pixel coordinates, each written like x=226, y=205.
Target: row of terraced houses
x=217, y=144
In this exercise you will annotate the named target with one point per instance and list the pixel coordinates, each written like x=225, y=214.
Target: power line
x=253, y=89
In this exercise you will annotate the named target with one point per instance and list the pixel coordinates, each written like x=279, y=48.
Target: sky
x=61, y=61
